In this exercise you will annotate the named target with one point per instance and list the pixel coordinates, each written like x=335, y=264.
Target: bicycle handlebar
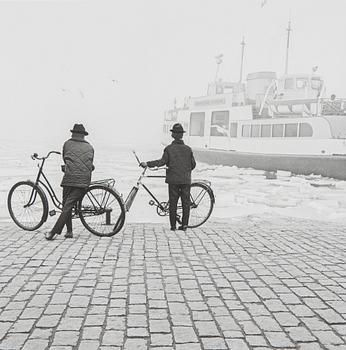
x=35, y=155
x=158, y=168
x=151, y=169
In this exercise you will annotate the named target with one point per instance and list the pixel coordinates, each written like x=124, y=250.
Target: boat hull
x=329, y=166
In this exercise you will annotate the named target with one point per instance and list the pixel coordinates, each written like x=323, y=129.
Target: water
x=238, y=192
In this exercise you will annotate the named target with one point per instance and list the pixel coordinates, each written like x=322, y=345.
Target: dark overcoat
x=179, y=160
x=78, y=156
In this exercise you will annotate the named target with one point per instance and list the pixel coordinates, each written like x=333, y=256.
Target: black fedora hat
x=177, y=128
x=79, y=129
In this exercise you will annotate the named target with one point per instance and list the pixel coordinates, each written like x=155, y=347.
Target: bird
x=263, y=3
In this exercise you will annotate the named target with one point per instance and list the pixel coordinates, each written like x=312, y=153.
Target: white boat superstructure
x=285, y=116
x=268, y=123
x=289, y=116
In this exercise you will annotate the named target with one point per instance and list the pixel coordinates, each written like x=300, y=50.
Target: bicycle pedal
x=52, y=212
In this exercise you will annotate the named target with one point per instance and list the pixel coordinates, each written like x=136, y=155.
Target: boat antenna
x=218, y=59
x=289, y=29
x=242, y=60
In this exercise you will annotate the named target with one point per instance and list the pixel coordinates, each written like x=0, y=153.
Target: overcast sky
x=117, y=65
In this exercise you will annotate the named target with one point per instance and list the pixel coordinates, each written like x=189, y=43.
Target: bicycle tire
x=102, y=211
x=202, y=197
x=27, y=217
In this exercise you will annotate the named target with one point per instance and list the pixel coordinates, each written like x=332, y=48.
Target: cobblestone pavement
x=255, y=283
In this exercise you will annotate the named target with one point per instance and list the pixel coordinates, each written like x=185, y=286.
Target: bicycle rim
x=27, y=205
x=201, y=205
x=102, y=211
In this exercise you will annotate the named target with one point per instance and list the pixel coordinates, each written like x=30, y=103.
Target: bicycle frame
x=56, y=202
x=46, y=185
x=48, y=188
x=132, y=194
x=164, y=209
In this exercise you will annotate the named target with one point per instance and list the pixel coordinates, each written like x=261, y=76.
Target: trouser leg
x=185, y=201
x=72, y=196
x=66, y=191
x=173, y=191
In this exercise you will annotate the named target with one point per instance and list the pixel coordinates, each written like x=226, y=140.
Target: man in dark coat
x=180, y=161
x=78, y=156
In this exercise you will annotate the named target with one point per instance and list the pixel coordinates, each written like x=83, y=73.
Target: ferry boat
x=268, y=123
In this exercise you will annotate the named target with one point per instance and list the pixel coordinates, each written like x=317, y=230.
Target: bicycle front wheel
x=201, y=205
x=102, y=211
x=27, y=205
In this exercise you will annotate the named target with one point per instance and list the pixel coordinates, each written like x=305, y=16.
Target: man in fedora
x=180, y=161
x=78, y=156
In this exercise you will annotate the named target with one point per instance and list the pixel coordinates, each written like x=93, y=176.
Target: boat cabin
x=303, y=86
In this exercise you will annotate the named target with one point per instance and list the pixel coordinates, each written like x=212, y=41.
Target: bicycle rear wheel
x=101, y=211
x=201, y=205
x=27, y=205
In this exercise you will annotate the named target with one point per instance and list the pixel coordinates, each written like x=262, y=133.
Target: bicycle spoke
x=104, y=200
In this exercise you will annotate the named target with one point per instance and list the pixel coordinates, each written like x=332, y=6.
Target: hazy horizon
x=116, y=66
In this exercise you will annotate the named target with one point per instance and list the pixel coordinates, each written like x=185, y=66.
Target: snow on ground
x=238, y=192
x=248, y=191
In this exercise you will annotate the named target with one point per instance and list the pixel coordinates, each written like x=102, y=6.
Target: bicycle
x=202, y=199
x=101, y=210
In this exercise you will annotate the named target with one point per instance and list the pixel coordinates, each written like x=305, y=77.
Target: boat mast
x=288, y=44
x=242, y=60
x=218, y=59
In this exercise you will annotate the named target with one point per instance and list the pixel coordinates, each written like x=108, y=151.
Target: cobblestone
x=247, y=284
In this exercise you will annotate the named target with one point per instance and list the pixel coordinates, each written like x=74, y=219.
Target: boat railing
x=336, y=106
x=306, y=107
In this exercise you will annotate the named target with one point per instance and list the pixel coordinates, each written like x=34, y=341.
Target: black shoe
x=182, y=228
x=50, y=236
x=69, y=235
x=173, y=228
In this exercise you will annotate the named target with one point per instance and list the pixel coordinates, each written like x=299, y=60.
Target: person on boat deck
x=78, y=156
x=180, y=161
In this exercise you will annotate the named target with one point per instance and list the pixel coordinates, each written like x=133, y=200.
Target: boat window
x=266, y=130
x=197, y=120
x=301, y=83
x=291, y=130
x=255, y=130
x=245, y=130
x=305, y=130
x=278, y=130
x=289, y=84
x=233, y=130
x=219, y=123
x=316, y=83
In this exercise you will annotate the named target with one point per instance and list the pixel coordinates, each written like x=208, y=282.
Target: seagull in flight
x=263, y=3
